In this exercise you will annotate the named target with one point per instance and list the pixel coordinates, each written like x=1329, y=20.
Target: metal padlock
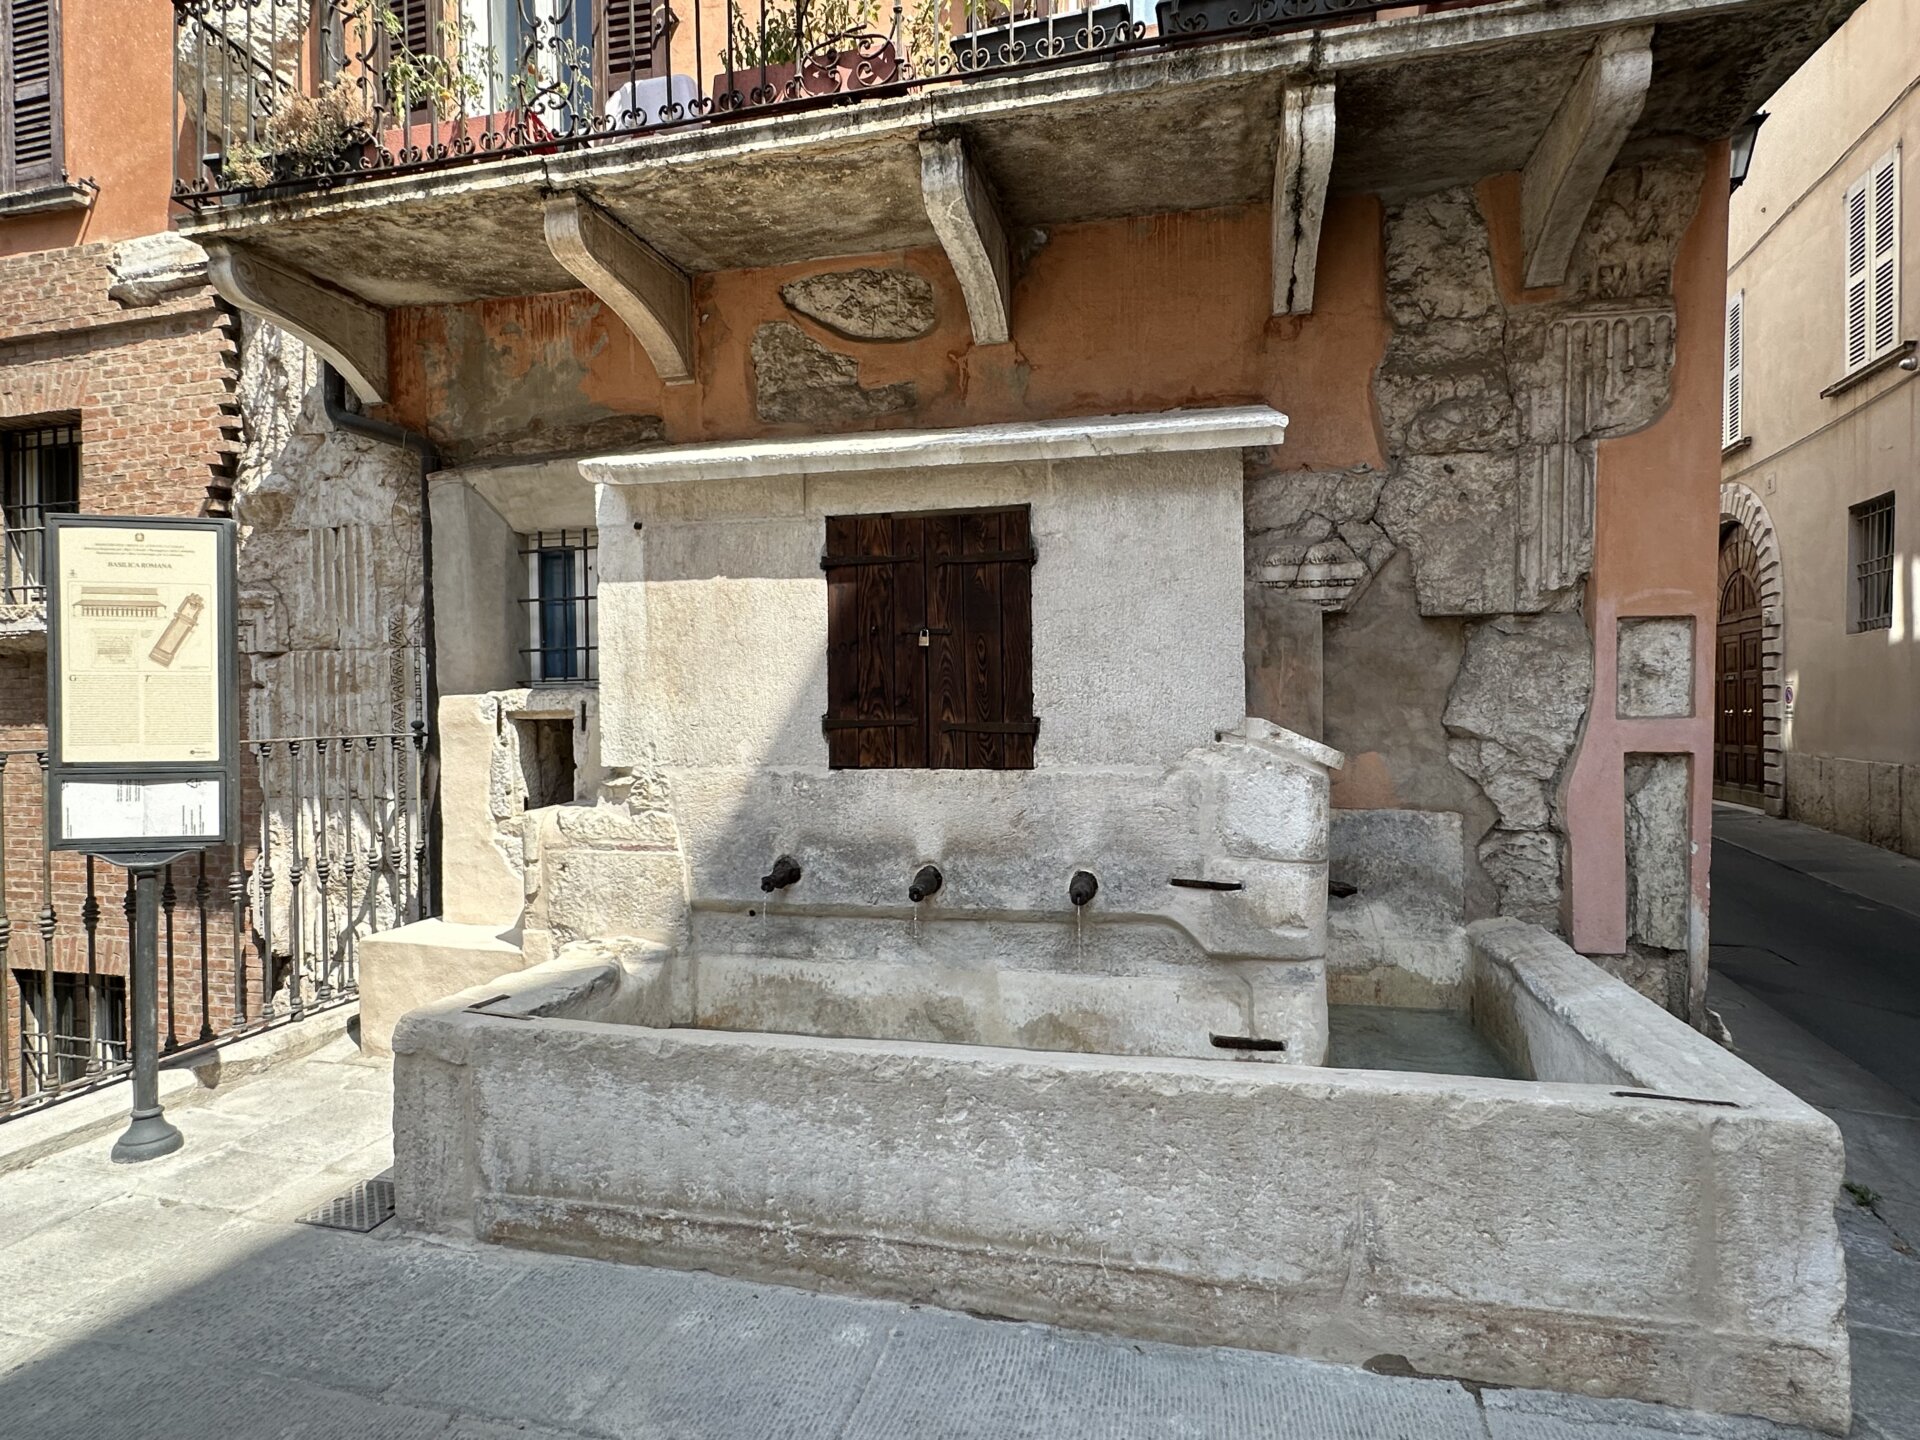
x=926, y=637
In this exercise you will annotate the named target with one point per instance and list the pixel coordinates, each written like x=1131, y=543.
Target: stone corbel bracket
x=342, y=329
x=1302, y=166
x=1565, y=172
x=966, y=218
x=652, y=296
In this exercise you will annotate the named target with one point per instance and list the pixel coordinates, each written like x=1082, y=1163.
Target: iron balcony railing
x=285, y=94
x=250, y=936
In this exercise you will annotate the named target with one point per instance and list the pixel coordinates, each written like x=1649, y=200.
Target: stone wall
x=1456, y=665
x=126, y=343
x=1870, y=800
x=332, y=638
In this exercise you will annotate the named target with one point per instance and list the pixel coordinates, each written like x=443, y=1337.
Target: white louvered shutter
x=1730, y=425
x=1884, y=282
x=1858, y=277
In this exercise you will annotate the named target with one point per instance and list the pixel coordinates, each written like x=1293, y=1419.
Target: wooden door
x=1739, y=754
x=930, y=641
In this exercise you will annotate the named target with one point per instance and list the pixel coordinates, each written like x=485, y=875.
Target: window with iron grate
x=39, y=476
x=1870, y=550
x=86, y=1024
x=563, y=580
x=31, y=151
x=930, y=641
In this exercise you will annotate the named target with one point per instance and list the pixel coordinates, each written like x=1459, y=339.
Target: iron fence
x=251, y=935
x=280, y=94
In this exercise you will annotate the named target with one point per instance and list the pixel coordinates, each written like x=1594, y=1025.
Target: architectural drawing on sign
x=177, y=631
x=118, y=602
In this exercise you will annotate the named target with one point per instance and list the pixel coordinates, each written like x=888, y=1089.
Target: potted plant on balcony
x=306, y=136
x=1000, y=34
x=441, y=95
x=827, y=47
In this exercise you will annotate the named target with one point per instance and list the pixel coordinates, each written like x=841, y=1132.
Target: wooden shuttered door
x=930, y=641
x=30, y=149
x=417, y=30
x=624, y=48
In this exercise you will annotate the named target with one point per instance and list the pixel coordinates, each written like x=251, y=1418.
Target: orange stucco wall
x=1657, y=514
x=117, y=107
x=1114, y=316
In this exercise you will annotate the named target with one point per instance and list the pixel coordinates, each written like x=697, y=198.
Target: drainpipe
x=333, y=399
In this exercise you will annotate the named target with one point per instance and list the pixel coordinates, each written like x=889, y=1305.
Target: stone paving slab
x=180, y=1298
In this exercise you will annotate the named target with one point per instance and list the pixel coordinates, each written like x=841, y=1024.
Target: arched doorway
x=1739, y=728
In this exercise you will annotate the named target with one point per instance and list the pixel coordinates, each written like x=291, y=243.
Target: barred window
x=563, y=577
x=1871, y=551
x=87, y=1023
x=40, y=472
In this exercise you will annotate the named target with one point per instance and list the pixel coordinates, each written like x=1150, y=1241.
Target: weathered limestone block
x=1439, y=266
x=1656, y=667
x=1584, y=373
x=1516, y=708
x=151, y=268
x=1626, y=249
x=1524, y=866
x=1456, y=516
x=865, y=304
x=1809, y=798
x=1431, y=410
x=1883, y=804
x=798, y=380
x=331, y=597
x=1659, y=873
x=599, y=871
x=1849, y=789
x=1398, y=939
x=1313, y=534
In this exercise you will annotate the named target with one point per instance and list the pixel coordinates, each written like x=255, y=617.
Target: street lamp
x=1741, y=159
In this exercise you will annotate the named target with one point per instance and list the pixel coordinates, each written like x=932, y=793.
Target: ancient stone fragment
x=1658, y=873
x=1313, y=535
x=1656, y=667
x=797, y=380
x=865, y=304
x=1524, y=866
x=1516, y=708
x=1455, y=514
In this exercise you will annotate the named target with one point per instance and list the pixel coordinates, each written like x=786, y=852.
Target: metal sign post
x=143, y=764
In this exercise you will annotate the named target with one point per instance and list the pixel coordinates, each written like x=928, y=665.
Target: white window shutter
x=1730, y=425
x=1858, y=349
x=1884, y=286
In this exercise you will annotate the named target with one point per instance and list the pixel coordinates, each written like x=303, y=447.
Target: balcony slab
x=1149, y=131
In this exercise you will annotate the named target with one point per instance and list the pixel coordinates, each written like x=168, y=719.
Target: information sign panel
x=141, y=684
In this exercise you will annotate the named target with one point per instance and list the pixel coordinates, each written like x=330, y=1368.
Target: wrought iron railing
x=282, y=94
x=250, y=936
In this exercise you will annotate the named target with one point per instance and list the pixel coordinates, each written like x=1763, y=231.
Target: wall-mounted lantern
x=1741, y=159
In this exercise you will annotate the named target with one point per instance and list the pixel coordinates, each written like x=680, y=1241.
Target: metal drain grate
x=366, y=1205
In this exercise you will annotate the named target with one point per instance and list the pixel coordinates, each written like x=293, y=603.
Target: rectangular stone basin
x=1641, y=1215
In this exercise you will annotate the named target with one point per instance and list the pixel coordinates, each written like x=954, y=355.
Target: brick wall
x=151, y=387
